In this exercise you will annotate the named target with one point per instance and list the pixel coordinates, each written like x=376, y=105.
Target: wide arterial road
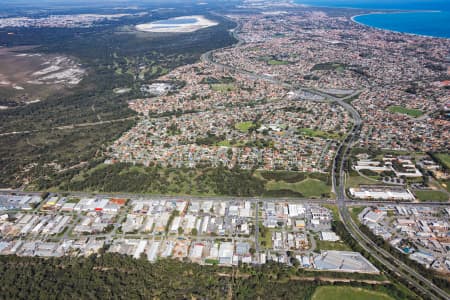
x=396, y=266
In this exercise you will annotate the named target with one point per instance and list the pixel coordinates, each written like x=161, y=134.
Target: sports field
x=347, y=293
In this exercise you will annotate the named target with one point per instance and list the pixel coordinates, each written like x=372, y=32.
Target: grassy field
x=265, y=238
x=244, y=126
x=223, y=87
x=444, y=158
x=355, y=181
x=347, y=293
x=274, y=62
x=406, y=111
x=308, y=187
x=431, y=196
x=225, y=143
x=329, y=66
x=268, y=239
x=319, y=133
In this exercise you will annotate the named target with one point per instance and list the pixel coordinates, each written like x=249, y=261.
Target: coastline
x=379, y=11
x=353, y=18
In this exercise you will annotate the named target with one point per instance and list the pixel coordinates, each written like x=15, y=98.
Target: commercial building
x=344, y=261
x=381, y=192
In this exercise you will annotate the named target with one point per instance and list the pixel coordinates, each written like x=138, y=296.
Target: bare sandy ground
x=201, y=23
x=17, y=69
x=26, y=76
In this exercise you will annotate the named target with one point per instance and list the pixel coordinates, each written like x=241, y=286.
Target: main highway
x=396, y=266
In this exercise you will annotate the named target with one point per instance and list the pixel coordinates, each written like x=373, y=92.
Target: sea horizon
x=425, y=18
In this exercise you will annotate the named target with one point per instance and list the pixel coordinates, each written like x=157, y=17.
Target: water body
x=179, y=24
x=177, y=21
x=435, y=22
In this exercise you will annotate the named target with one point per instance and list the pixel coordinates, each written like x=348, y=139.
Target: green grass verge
x=432, y=196
x=355, y=211
x=444, y=158
x=223, y=87
x=347, y=293
x=406, y=111
x=225, y=143
x=73, y=200
x=274, y=62
x=319, y=133
x=329, y=66
x=212, y=261
x=326, y=245
x=243, y=126
x=334, y=210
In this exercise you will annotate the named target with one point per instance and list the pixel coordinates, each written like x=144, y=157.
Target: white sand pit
x=179, y=24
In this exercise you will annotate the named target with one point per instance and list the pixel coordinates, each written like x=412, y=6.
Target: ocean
x=435, y=22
